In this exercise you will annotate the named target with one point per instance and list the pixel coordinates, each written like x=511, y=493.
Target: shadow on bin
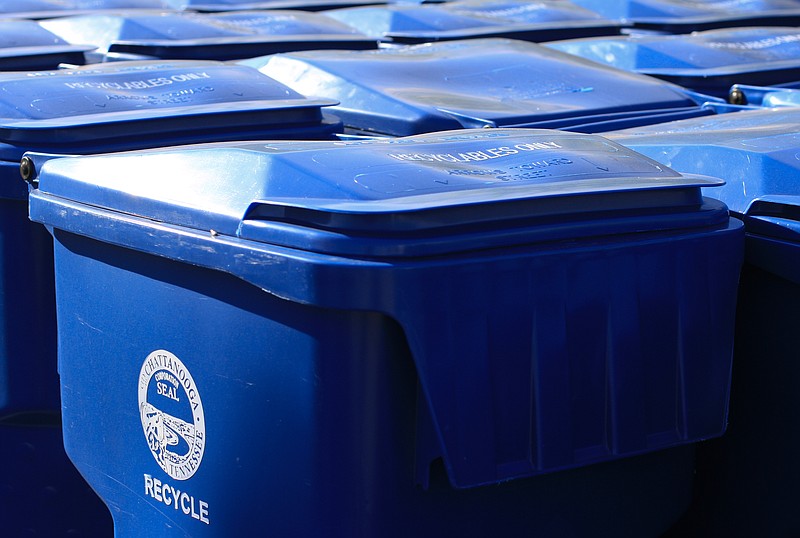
x=479, y=83
x=706, y=62
x=746, y=480
x=390, y=337
x=97, y=109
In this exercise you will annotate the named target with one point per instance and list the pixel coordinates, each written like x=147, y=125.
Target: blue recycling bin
x=746, y=480
x=685, y=16
x=26, y=46
x=708, y=62
x=541, y=20
x=90, y=110
x=441, y=335
x=479, y=83
x=225, y=36
x=44, y=9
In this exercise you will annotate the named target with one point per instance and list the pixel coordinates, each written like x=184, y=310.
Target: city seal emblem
x=172, y=414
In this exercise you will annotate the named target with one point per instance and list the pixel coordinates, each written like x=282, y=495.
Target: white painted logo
x=172, y=414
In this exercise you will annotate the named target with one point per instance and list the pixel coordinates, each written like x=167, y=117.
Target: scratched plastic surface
x=709, y=62
x=508, y=302
x=543, y=20
x=208, y=36
x=478, y=83
x=756, y=151
x=684, y=16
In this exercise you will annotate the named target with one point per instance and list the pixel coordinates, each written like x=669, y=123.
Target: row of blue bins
x=470, y=268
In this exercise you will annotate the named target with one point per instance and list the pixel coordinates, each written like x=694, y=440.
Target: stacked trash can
x=328, y=268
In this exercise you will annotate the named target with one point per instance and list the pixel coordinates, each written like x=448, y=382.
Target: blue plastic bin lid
x=477, y=83
x=542, y=20
x=217, y=6
x=211, y=36
x=756, y=153
x=709, y=62
x=145, y=104
x=683, y=16
x=42, y=9
x=316, y=213
x=26, y=46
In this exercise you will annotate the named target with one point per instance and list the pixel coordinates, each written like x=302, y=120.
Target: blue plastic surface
x=41, y=492
x=43, y=9
x=89, y=110
x=26, y=46
x=478, y=83
x=684, y=16
x=542, y=20
x=765, y=96
x=746, y=480
x=224, y=36
x=707, y=62
x=560, y=301
x=101, y=108
x=755, y=151
x=218, y=6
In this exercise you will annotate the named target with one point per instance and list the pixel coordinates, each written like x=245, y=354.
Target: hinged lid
x=542, y=20
x=755, y=151
x=709, y=61
x=212, y=36
x=473, y=83
x=98, y=106
x=386, y=197
x=683, y=16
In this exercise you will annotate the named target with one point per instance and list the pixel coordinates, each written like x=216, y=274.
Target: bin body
x=222, y=36
x=97, y=109
x=543, y=20
x=685, y=16
x=708, y=62
x=390, y=337
x=745, y=479
x=478, y=83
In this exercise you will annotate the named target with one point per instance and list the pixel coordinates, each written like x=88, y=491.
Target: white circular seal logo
x=172, y=414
